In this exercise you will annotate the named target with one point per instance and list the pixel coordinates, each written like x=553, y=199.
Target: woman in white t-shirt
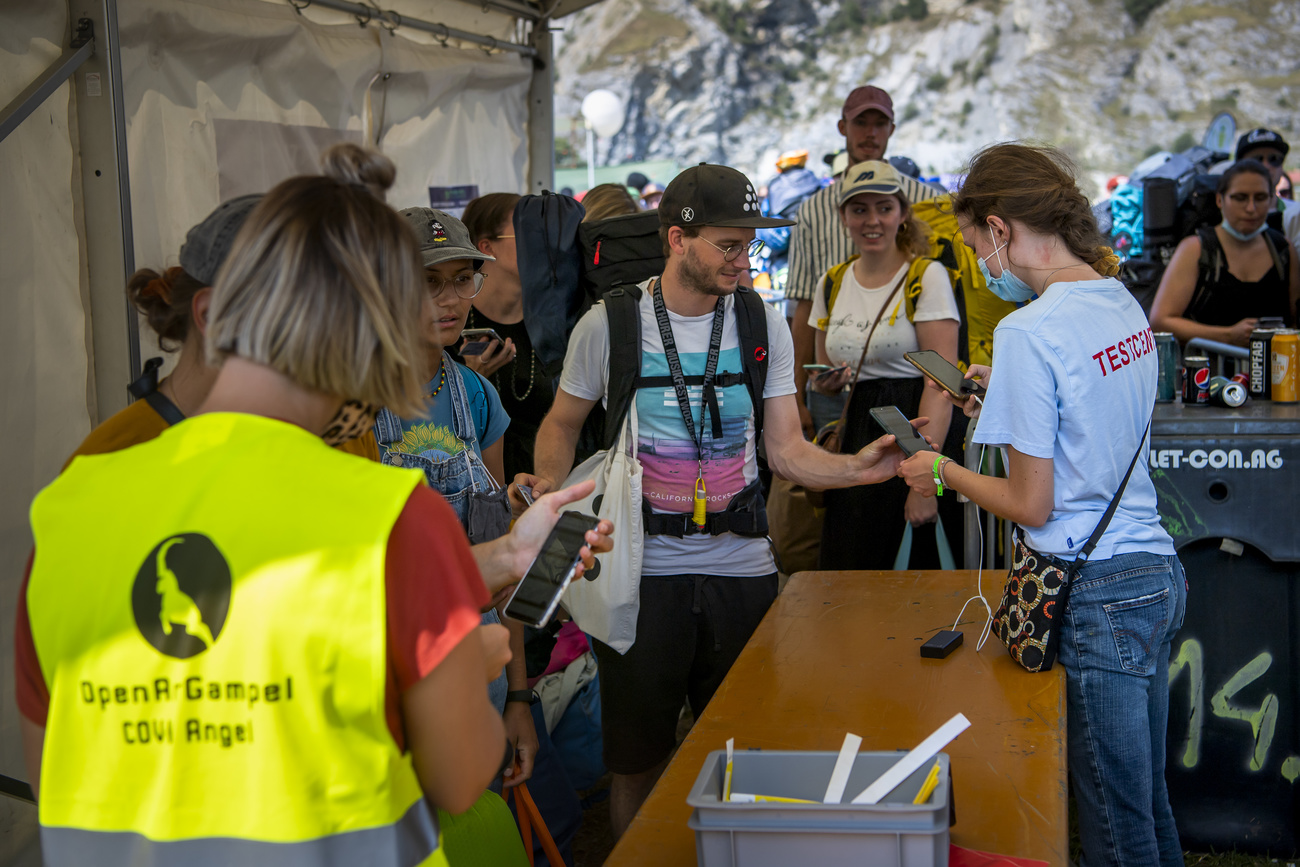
x=867, y=298
x=1069, y=398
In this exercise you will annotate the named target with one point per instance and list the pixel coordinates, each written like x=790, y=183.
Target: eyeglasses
x=467, y=286
x=502, y=237
x=732, y=253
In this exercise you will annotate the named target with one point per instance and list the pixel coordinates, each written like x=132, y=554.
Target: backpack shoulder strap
x=912, y=285
x=1278, y=248
x=831, y=288
x=751, y=328
x=1209, y=267
x=621, y=307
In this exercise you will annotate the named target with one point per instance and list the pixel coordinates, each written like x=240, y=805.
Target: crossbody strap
x=1088, y=546
x=857, y=371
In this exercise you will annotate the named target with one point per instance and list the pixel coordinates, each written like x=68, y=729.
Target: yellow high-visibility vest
x=208, y=609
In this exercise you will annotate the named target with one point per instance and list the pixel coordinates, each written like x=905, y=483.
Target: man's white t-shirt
x=668, y=455
x=1074, y=380
x=856, y=307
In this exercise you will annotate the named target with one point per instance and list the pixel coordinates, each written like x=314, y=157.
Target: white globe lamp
x=603, y=113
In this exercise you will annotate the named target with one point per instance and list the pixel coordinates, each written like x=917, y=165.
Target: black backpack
x=746, y=514
x=619, y=251
x=550, y=267
x=622, y=308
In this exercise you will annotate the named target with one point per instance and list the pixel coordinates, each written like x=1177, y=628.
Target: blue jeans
x=1122, y=615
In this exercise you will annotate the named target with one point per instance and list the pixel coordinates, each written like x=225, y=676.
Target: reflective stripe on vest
x=404, y=842
x=209, y=614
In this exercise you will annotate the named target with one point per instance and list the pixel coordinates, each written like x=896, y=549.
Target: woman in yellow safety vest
x=280, y=661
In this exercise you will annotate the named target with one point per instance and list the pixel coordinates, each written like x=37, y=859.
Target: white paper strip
x=843, y=765
x=904, y=767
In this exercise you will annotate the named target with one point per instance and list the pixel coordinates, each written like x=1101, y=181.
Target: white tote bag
x=606, y=607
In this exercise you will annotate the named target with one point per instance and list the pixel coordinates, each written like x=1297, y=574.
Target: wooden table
x=839, y=652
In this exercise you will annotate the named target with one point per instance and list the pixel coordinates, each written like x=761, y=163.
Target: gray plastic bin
x=893, y=833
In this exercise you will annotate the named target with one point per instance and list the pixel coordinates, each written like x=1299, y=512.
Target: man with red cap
x=820, y=240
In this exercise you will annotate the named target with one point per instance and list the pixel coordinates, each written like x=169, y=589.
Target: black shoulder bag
x=1028, y=620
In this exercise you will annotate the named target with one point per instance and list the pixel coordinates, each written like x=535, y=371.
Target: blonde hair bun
x=352, y=164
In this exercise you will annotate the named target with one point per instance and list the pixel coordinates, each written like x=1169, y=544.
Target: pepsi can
x=1226, y=392
x=1196, y=380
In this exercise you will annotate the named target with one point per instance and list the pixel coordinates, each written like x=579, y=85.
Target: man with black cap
x=820, y=240
x=1269, y=148
x=712, y=370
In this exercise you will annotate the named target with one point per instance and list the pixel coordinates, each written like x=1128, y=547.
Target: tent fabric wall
x=44, y=358
x=196, y=72
x=193, y=70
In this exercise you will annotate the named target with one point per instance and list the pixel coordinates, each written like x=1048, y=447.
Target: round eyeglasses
x=467, y=286
x=732, y=253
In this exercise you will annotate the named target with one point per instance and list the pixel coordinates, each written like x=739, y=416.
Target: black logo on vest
x=181, y=595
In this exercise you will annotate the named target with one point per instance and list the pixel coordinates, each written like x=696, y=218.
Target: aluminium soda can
x=1196, y=380
x=1286, y=362
x=1243, y=378
x=1225, y=392
x=1261, y=363
x=1167, y=355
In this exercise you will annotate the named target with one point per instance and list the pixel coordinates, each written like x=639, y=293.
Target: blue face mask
x=1243, y=236
x=1008, y=286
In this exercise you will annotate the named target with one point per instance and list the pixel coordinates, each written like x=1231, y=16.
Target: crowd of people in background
x=318, y=340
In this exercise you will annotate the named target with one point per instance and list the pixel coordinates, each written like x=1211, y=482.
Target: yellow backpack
x=980, y=309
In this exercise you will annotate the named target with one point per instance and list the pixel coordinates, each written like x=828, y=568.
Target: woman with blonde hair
x=607, y=200
x=1069, y=401
x=886, y=300
x=289, y=646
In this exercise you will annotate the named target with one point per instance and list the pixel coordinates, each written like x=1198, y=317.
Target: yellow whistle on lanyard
x=701, y=504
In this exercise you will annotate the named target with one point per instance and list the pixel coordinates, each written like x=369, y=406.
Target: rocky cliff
x=737, y=81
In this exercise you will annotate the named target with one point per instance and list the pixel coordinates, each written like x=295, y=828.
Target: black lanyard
x=675, y=366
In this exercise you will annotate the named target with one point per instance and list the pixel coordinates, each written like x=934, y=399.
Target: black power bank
x=942, y=644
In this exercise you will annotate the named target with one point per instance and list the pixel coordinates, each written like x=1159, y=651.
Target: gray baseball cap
x=207, y=244
x=443, y=238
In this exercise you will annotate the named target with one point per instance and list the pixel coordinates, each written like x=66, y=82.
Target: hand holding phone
x=893, y=421
x=944, y=373
x=475, y=341
x=537, y=595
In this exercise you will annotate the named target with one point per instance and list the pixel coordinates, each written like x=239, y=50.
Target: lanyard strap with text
x=679, y=386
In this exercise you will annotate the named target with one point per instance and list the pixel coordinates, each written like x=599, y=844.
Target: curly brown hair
x=1035, y=186
x=165, y=302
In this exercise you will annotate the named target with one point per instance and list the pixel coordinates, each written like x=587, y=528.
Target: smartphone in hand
x=893, y=421
x=943, y=372
x=475, y=341
x=537, y=595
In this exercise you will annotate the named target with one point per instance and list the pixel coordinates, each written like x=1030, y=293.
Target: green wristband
x=938, y=482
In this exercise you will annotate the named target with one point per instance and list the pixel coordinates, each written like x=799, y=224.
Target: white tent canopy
x=217, y=98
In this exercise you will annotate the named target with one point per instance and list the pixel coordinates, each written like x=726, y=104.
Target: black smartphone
x=891, y=418
x=536, y=596
x=475, y=341
x=945, y=373
x=817, y=368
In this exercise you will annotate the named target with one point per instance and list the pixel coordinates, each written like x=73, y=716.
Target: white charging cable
x=979, y=579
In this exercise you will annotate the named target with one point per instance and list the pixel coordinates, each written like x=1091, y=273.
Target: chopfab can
x=1167, y=354
x=1261, y=363
x=1286, y=363
x=1225, y=392
x=1196, y=380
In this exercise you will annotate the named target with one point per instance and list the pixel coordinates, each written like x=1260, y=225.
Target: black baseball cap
x=1261, y=138
x=712, y=195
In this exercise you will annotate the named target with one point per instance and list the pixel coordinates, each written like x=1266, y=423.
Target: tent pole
x=541, y=112
x=114, y=351
x=441, y=31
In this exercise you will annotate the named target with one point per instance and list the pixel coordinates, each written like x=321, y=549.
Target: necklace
x=442, y=379
x=514, y=371
x=1062, y=268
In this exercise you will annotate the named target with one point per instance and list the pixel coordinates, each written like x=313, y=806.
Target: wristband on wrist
x=527, y=696
x=938, y=480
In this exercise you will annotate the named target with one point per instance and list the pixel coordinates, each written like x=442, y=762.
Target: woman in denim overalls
x=458, y=446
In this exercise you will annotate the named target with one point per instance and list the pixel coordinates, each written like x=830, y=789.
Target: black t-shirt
x=524, y=391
